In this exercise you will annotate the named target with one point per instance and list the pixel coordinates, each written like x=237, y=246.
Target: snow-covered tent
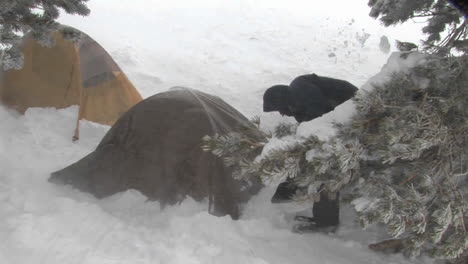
x=155, y=148
x=68, y=73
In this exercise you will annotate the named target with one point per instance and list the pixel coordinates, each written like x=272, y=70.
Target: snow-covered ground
x=234, y=49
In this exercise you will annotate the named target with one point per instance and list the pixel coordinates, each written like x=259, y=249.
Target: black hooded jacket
x=308, y=96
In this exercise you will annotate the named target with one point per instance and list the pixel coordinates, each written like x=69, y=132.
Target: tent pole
x=76, y=135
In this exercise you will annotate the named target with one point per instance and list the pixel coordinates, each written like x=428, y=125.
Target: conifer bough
x=445, y=26
x=38, y=16
x=405, y=153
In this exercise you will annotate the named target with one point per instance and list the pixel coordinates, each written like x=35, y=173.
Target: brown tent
x=66, y=74
x=156, y=148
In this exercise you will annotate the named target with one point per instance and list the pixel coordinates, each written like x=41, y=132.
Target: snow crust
x=233, y=49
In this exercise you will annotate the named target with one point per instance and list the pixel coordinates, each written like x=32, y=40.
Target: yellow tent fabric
x=68, y=73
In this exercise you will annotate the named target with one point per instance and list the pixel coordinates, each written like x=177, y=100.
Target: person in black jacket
x=307, y=97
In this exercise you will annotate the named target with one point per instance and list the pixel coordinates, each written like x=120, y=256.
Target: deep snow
x=234, y=49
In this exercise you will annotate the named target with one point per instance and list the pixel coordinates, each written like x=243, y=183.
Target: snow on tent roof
x=155, y=148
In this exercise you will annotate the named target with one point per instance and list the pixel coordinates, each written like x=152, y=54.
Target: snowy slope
x=234, y=49
x=44, y=223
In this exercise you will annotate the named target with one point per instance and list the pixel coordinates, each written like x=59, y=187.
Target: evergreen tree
x=405, y=152
x=416, y=176
x=443, y=18
x=38, y=16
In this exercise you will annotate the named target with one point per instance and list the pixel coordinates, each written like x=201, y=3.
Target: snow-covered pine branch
x=405, y=151
x=415, y=127
x=445, y=26
x=38, y=16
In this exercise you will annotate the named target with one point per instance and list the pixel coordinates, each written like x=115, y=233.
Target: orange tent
x=69, y=73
